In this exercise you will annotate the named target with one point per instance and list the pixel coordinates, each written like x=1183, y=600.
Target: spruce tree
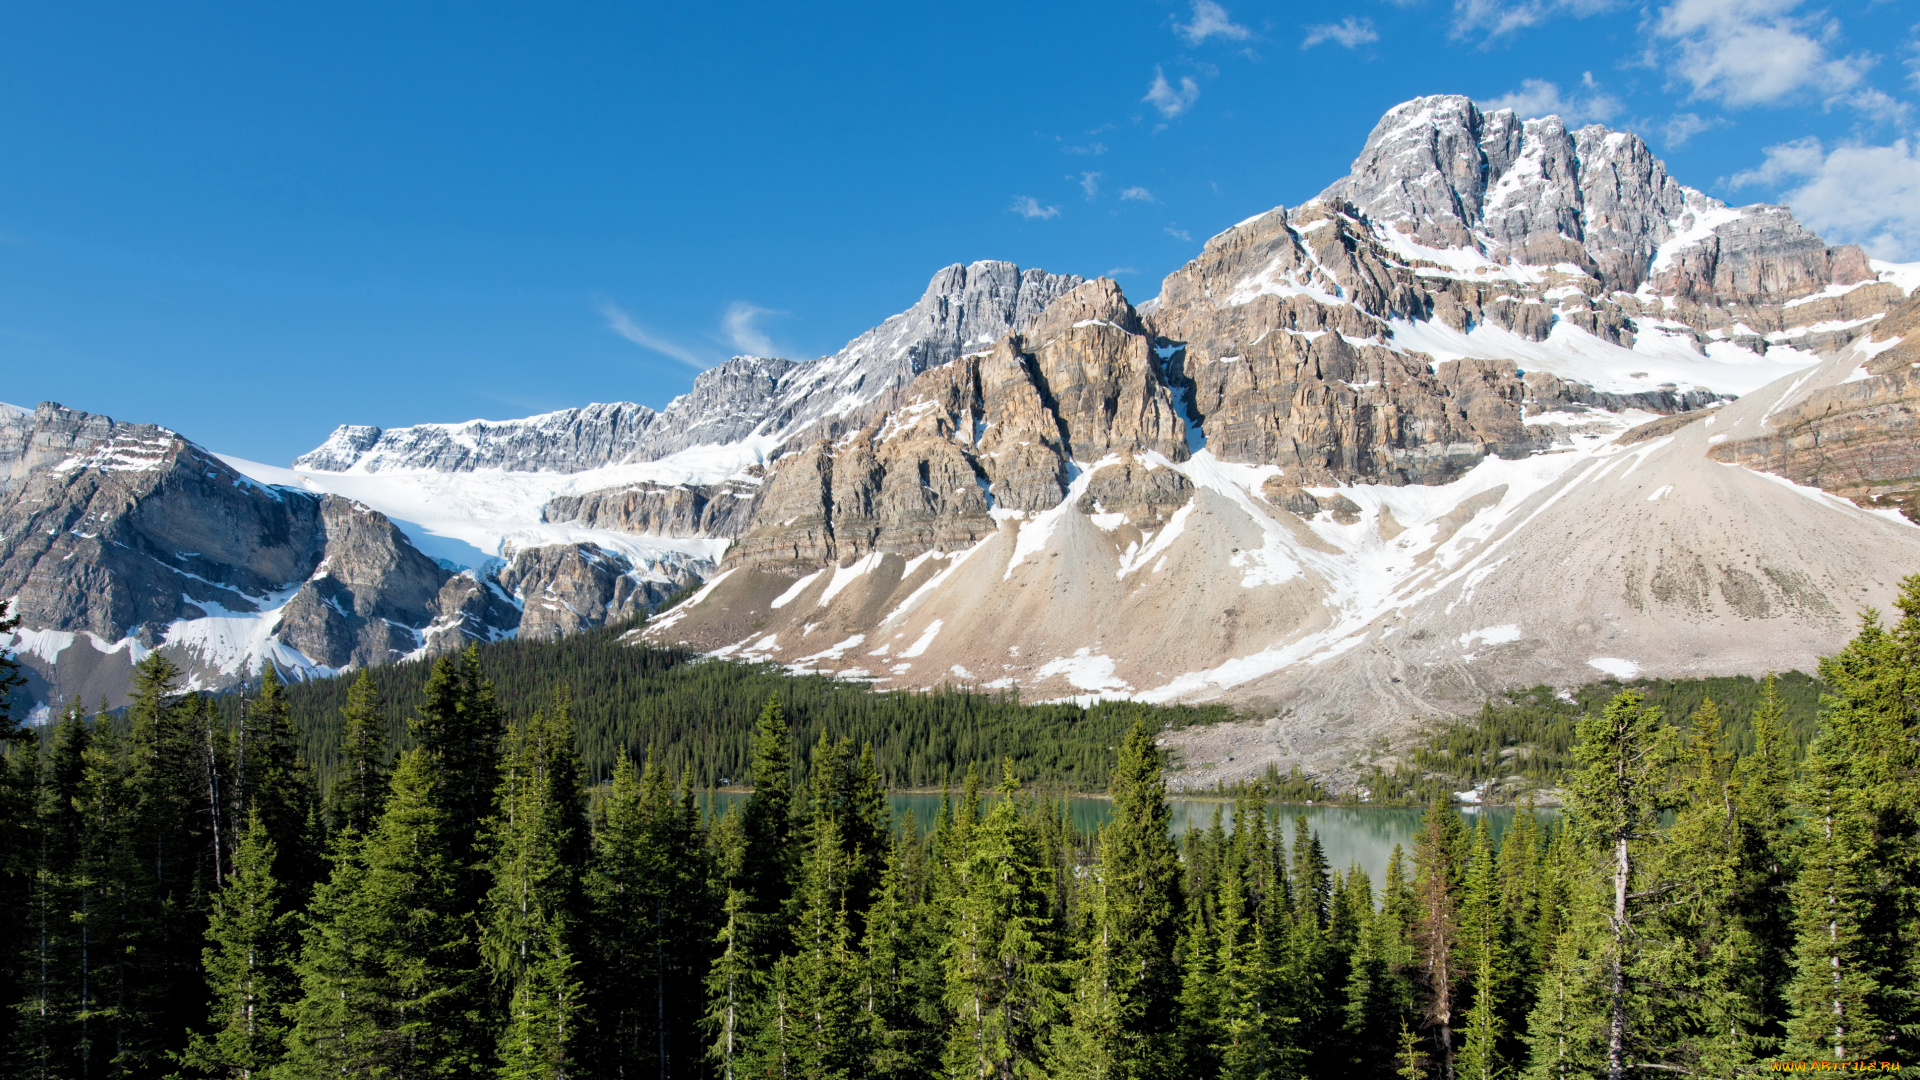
x=1484, y=960
x=361, y=789
x=1126, y=1004
x=248, y=966
x=1615, y=800
x=1001, y=966
x=1840, y=975
x=275, y=784
x=48, y=1042
x=1436, y=931
x=534, y=911
x=1701, y=941
x=767, y=864
x=428, y=1014
x=823, y=1036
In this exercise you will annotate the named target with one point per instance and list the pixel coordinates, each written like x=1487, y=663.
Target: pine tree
x=248, y=966
x=1126, y=1004
x=534, y=909
x=361, y=790
x=274, y=783
x=825, y=1037
x=1838, y=981
x=767, y=865
x=1436, y=930
x=1485, y=959
x=1615, y=800
x=1001, y=967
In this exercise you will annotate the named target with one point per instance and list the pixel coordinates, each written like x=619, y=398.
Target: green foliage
x=1529, y=735
x=698, y=714
x=1711, y=901
x=249, y=966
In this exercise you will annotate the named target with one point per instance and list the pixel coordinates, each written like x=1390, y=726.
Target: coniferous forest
x=183, y=900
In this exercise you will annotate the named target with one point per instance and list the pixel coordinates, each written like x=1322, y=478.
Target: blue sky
x=251, y=223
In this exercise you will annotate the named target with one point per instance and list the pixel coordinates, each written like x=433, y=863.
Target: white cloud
x=621, y=323
x=1029, y=207
x=1754, y=52
x=1135, y=194
x=1350, y=32
x=1879, y=106
x=1170, y=101
x=740, y=328
x=1680, y=128
x=1490, y=19
x=1538, y=97
x=1090, y=183
x=1089, y=150
x=1178, y=234
x=1116, y=271
x=1210, y=20
x=1867, y=195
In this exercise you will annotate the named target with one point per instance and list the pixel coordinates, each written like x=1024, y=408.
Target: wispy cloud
x=1682, y=127
x=1868, y=195
x=623, y=324
x=1490, y=19
x=740, y=329
x=1754, y=52
x=1093, y=149
x=1090, y=183
x=1210, y=20
x=1135, y=194
x=1178, y=234
x=1029, y=207
x=1538, y=97
x=1171, y=101
x=1116, y=271
x=1350, y=32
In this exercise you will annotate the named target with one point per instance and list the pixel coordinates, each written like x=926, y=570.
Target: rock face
x=568, y=588
x=128, y=532
x=650, y=509
x=1002, y=428
x=1859, y=438
x=1449, y=176
x=564, y=441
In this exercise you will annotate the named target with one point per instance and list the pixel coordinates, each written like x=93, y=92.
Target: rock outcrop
x=566, y=441
x=650, y=509
x=566, y=588
x=128, y=531
x=1860, y=438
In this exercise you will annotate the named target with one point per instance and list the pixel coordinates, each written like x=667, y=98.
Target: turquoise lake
x=1350, y=834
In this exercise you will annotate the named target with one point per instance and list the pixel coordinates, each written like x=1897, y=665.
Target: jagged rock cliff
x=564, y=441
x=128, y=532
x=1858, y=438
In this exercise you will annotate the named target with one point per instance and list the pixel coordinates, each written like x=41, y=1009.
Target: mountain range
x=1505, y=405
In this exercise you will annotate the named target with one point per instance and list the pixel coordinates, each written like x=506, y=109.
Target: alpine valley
x=1506, y=405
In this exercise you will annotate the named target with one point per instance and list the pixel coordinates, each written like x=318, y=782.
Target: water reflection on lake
x=1350, y=834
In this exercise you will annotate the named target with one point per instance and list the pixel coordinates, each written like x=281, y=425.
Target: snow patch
x=1614, y=666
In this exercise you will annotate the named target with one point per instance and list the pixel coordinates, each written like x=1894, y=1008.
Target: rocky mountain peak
x=1445, y=174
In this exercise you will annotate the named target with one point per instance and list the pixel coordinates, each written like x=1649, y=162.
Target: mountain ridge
x=1284, y=481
